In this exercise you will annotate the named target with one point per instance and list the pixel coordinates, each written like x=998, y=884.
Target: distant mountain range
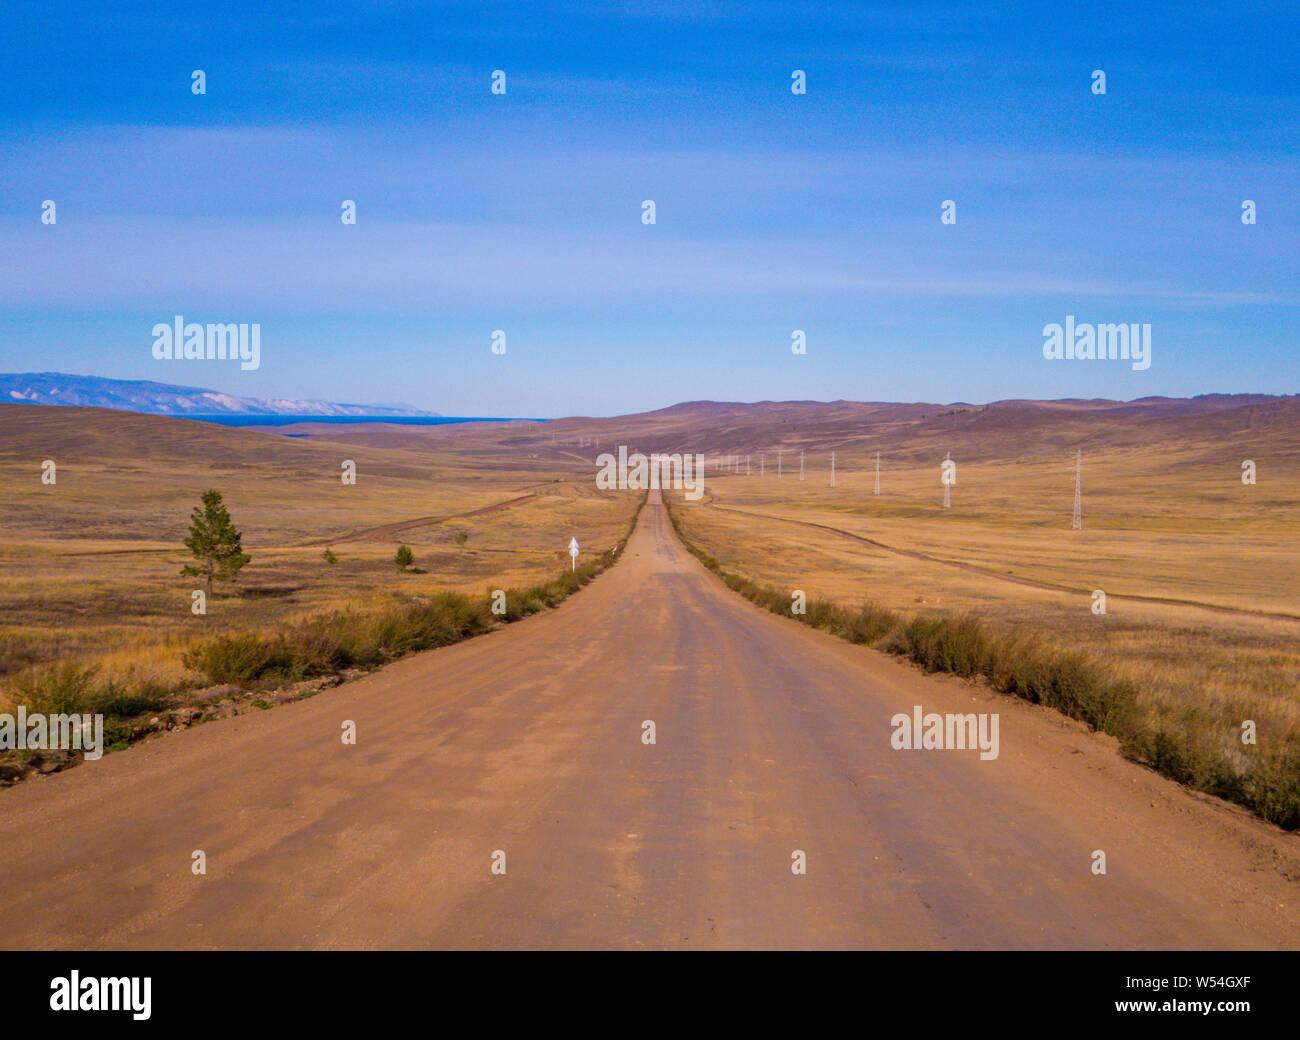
x=141, y=395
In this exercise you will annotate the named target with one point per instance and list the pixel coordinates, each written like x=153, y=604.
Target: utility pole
x=1077, y=523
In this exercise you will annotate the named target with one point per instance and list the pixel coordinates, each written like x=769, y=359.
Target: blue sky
x=775, y=212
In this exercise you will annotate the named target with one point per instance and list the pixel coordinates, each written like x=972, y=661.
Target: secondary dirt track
x=388, y=530
x=987, y=572
x=771, y=737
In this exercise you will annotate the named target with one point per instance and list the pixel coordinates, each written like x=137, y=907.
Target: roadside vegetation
x=1077, y=684
x=336, y=642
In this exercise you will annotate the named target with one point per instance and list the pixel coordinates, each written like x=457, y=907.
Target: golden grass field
x=90, y=567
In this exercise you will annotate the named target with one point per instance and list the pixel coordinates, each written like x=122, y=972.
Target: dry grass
x=90, y=567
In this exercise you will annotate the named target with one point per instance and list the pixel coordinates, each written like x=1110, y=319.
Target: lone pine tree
x=214, y=542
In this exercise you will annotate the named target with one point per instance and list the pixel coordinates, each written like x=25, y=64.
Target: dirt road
x=770, y=738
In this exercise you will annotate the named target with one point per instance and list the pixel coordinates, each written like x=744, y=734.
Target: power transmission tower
x=801, y=464
x=762, y=464
x=877, y=473
x=1077, y=523
x=947, y=487
x=746, y=465
x=832, y=469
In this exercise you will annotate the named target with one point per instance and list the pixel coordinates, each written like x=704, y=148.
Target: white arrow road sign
x=573, y=552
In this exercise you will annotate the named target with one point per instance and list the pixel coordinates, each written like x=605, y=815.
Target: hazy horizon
x=454, y=415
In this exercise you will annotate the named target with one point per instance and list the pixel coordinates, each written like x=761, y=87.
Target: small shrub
x=236, y=659
x=870, y=624
x=62, y=689
x=69, y=689
x=940, y=644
